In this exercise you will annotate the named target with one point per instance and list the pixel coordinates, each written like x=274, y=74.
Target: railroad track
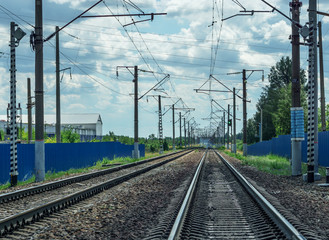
x=26, y=206
x=221, y=204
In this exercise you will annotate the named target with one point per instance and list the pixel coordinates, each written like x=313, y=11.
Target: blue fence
x=281, y=146
x=62, y=156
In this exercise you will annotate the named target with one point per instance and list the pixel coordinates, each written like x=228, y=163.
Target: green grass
x=273, y=164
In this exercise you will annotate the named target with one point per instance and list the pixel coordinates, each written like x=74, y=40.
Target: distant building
x=88, y=125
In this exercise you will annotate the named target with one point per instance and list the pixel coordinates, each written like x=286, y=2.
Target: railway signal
x=16, y=34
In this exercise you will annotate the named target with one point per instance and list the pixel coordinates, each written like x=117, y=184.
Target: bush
x=165, y=146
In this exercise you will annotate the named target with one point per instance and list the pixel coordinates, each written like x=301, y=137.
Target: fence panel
x=62, y=156
x=260, y=148
x=281, y=146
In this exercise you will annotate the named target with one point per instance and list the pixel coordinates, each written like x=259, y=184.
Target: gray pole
x=188, y=133
x=184, y=133
x=244, y=83
x=180, y=129
x=20, y=122
x=323, y=98
x=136, y=150
x=228, y=126
x=261, y=126
x=58, y=91
x=39, y=107
x=29, y=111
x=173, y=127
x=13, y=125
x=312, y=129
x=296, y=145
x=234, y=122
x=224, y=128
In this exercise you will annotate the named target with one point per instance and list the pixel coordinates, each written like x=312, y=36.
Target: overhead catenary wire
x=87, y=74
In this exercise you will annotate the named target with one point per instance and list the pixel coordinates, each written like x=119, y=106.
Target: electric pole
x=184, y=133
x=234, y=122
x=323, y=100
x=296, y=145
x=312, y=129
x=261, y=126
x=12, y=106
x=224, y=127
x=58, y=91
x=173, y=127
x=188, y=133
x=244, y=100
x=228, y=126
x=160, y=127
x=180, y=129
x=136, y=150
x=29, y=111
x=39, y=106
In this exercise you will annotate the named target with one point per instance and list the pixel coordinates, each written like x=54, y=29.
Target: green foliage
x=275, y=102
x=95, y=140
x=327, y=118
x=50, y=140
x=165, y=145
x=68, y=136
x=2, y=135
x=239, y=145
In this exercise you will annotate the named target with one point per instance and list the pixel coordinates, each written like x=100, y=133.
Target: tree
x=68, y=136
x=252, y=131
x=275, y=100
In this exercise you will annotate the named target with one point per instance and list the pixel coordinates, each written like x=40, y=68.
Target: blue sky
x=178, y=44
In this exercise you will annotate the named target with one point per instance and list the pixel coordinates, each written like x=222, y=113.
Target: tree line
x=275, y=102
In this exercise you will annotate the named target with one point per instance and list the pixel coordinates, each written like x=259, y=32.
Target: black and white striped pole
x=312, y=129
x=16, y=34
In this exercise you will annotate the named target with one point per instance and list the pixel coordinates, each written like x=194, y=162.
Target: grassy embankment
x=271, y=164
x=97, y=166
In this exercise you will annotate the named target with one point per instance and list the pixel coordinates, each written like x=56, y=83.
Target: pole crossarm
x=159, y=83
x=115, y=15
x=320, y=13
x=290, y=19
x=172, y=105
x=126, y=15
x=60, y=29
x=224, y=110
x=247, y=13
x=156, y=85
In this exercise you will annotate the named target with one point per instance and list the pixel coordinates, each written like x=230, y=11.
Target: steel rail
x=12, y=196
x=175, y=231
x=286, y=227
x=16, y=221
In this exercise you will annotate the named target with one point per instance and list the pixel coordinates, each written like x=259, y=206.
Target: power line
x=87, y=74
x=5, y=9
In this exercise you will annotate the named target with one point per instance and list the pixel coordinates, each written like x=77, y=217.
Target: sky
x=189, y=43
